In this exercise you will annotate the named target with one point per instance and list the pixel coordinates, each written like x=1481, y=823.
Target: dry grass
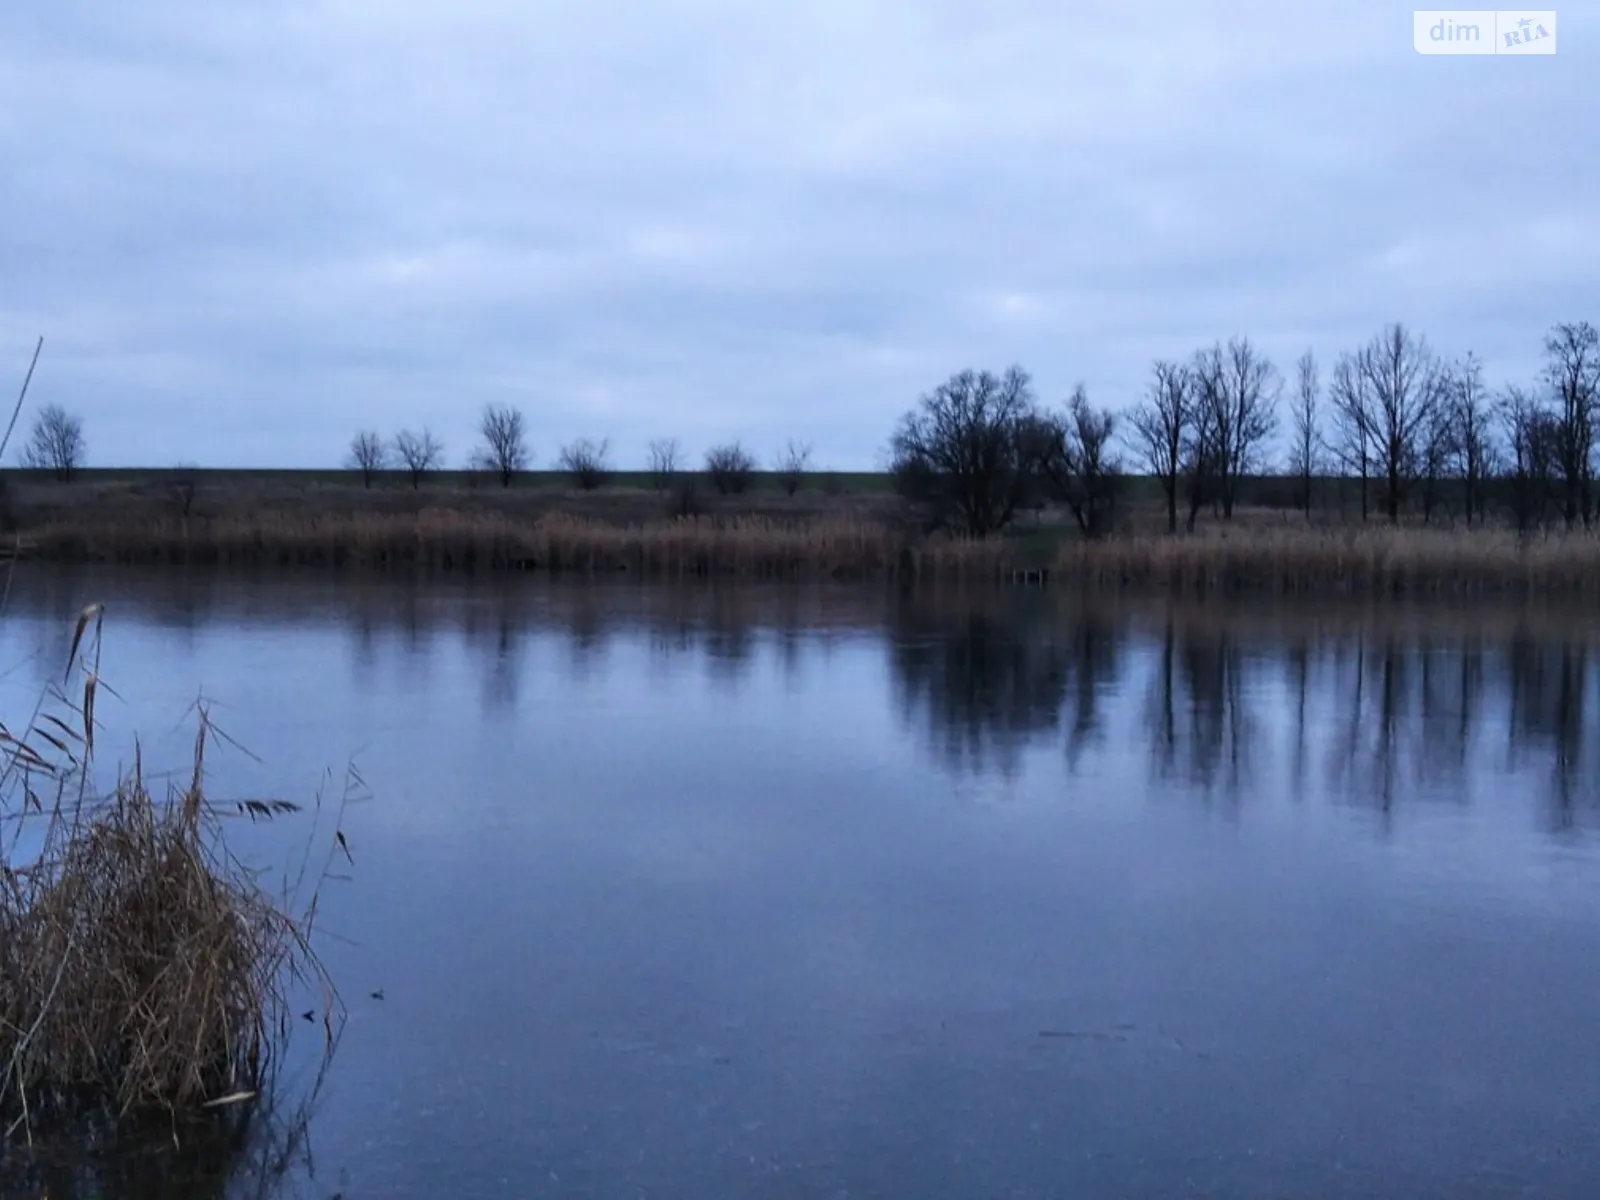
x=741, y=546
x=1259, y=552
x=142, y=968
x=1371, y=561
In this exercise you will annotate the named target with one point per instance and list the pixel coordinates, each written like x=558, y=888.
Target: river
x=835, y=891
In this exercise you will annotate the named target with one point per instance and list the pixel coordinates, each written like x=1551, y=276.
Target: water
x=830, y=892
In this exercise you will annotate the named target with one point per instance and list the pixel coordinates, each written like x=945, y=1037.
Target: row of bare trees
x=1204, y=424
x=1408, y=426
x=979, y=448
x=1396, y=417
x=503, y=451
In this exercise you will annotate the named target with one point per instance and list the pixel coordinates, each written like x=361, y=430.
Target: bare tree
x=1532, y=443
x=1162, y=426
x=182, y=486
x=1405, y=385
x=587, y=462
x=793, y=463
x=505, y=445
x=963, y=450
x=56, y=443
x=368, y=454
x=1077, y=462
x=1237, y=390
x=419, y=453
x=666, y=460
x=1200, y=455
x=1474, y=448
x=731, y=468
x=1303, y=456
x=1572, y=370
x=1437, y=452
x=1353, y=423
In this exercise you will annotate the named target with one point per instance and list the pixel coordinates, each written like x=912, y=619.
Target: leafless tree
x=1532, y=443
x=505, y=444
x=182, y=486
x=419, y=453
x=1078, y=464
x=1162, y=426
x=1353, y=424
x=666, y=460
x=1572, y=371
x=368, y=454
x=1437, y=451
x=1303, y=450
x=963, y=450
x=589, y=463
x=1405, y=384
x=1237, y=392
x=56, y=443
x=1200, y=462
x=731, y=468
x=1473, y=446
x=793, y=463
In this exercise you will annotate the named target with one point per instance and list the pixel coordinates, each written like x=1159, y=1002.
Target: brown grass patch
x=142, y=967
x=1376, y=561
x=446, y=538
x=1259, y=552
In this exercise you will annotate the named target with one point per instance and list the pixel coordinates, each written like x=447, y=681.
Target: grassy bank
x=265, y=520
x=1372, y=560
x=453, y=539
x=1273, y=557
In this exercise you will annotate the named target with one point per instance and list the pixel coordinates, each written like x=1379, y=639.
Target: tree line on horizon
x=1395, y=417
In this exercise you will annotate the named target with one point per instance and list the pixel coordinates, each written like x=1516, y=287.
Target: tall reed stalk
x=143, y=968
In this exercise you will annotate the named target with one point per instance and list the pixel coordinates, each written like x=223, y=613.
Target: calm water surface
x=825, y=893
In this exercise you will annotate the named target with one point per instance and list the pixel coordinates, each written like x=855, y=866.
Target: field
x=834, y=525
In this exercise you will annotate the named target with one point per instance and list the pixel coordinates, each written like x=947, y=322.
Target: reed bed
x=143, y=969
x=1273, y=558
x=742, y=546
x=1373, y=561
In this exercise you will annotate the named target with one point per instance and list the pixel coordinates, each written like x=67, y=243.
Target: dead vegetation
x=1373, y=560
x=862, y=534
x=1252, y=554
x=143, y=968
x=455, y=539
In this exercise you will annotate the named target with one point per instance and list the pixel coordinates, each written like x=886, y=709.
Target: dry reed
x=1275, y=558
x=142, y=967
x=1370, y=561
x=744, y=546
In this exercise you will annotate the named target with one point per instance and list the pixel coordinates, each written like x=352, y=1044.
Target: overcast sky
x=247, y=229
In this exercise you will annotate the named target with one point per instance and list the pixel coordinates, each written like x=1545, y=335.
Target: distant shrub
x=587, y=462
x=730, y=468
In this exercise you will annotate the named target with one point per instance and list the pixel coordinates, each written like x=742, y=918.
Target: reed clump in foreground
x=1363, y=561
x=142, y=968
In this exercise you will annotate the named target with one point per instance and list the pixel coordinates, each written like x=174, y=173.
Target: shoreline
x=1265, y=557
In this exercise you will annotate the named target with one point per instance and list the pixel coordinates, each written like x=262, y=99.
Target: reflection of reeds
x=758, y=547
x=142, y=968
x=1372, y=561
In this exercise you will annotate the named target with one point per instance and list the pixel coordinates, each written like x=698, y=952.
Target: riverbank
x=1250, y=558
x=861, y=534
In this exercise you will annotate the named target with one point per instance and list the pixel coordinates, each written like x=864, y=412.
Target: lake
x=838, y=892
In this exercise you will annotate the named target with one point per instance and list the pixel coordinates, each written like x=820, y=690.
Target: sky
x=247, y=230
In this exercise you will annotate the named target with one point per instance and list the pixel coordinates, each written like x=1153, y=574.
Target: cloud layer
x=247, y=230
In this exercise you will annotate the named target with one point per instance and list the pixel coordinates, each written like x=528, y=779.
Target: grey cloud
x=247, y=230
